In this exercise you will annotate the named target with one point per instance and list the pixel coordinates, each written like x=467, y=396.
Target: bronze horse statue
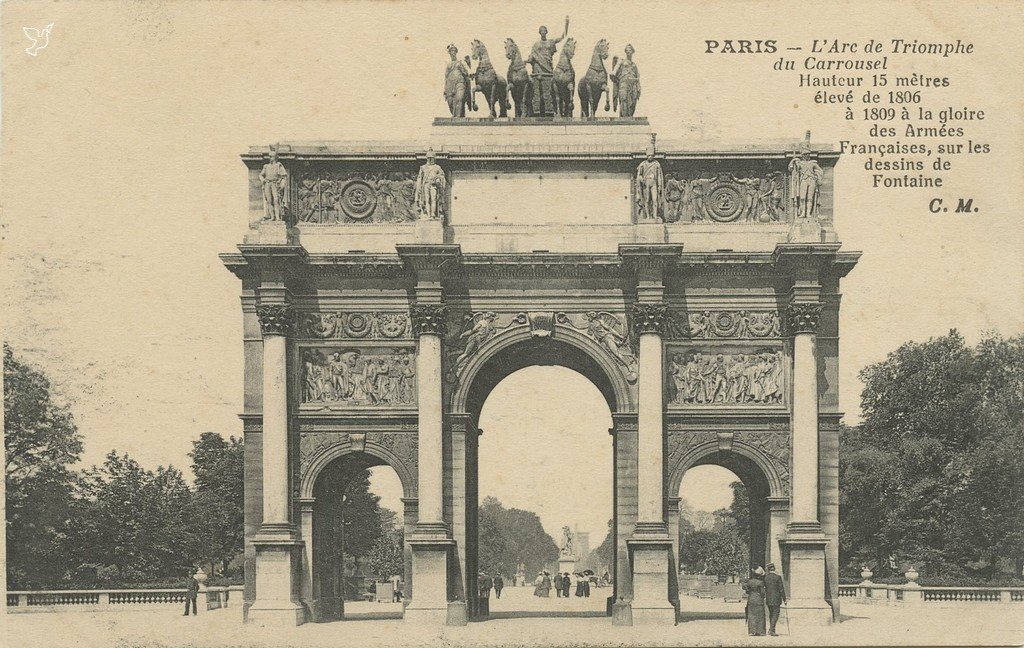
x=489, y=82
x=594, y=82
x=565, y=79
x=518, y=79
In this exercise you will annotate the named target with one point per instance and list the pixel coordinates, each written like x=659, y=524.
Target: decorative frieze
x=373, y=377
x=708, y=378
x=275, y=319
x=610, y=331
x=428, y=319
x=354, y=325
x=724, y=324
x=649, y=318
x=773, y=446
x=330, y=196
x=803, y=318
x=726, y=198
x=404, y=446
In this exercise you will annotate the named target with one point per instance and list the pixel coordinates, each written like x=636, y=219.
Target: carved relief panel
x=725, y=197
x=332, y=196
x=733, y=376
x=338, y=377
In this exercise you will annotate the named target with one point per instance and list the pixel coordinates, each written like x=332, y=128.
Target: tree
x=931, y=476
x=361, y=519
x=218, y=466
x=387, y=557
x=715, y=551
x=600, y=557
x=40, y=442
x=508, y=537
x=136, y=520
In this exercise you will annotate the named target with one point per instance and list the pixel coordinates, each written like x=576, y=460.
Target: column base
x=805, y=552
x=430, y=548
x=277, y=556
x=650, y=547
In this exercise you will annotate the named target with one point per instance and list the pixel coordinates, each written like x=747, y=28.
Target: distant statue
x=430, y=186
x=595, y=82
x=274, y=179
x=518, y=78
x=457, y=89
x=542, y=59
x=488, y=82
x=565, y=80
x=804, y=179
x=650, y=184
x=625, y=84
x=567, y=541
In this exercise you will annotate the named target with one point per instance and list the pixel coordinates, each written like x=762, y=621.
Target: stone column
x=430, y=541
x=805, y=541
x=309, y=575
x=778, y=516
x=277, y=544
x=651, y=543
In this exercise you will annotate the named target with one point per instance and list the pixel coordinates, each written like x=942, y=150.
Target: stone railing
x=914, y=594
x=59, y=600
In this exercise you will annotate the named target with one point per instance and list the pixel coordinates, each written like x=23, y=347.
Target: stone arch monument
x=403, y=281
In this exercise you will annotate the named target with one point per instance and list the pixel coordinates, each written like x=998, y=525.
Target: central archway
x=498, y=359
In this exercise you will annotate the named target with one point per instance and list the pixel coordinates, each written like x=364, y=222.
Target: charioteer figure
x=542, y=59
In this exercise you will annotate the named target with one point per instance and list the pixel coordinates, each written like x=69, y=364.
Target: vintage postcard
x=350, y=323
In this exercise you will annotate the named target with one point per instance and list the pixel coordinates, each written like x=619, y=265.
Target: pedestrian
x=547, y=585
x=586, y=585
x=558, y=585
x=754, y=588
x=499, y=583
x=396, y=589
x=538, y=584
x=579, y=584
x=485, y=583
x=191, y=594
x=566, y=584
x=774, y=596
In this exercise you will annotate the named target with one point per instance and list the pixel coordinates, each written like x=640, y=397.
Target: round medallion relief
x=725, y=202
x=358, y=199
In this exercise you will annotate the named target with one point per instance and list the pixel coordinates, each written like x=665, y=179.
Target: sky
x=121, y=180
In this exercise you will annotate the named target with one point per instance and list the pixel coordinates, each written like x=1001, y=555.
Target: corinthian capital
x=275, y=319
x=803, y=318
x=428, y=319
x=649, y=318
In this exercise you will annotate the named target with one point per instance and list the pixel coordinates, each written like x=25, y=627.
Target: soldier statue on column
x=804, y=179
x=274, y=179
x=430, y=186
x=650, y=184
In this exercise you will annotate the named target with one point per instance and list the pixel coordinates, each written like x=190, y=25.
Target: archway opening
x=361, y=563
x=543, y=463
x=722, y=533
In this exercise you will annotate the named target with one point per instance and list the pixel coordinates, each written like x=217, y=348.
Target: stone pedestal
x=806, y=604
x=429, y=232
x=277, y=557
x=567, y=564
x=269, y=232
x=650, y=555
x=429, y=602
x=805, y=230
x=650, y=231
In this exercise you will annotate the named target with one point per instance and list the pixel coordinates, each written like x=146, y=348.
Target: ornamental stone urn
x=911, y=576
x=866, y=574
x=200, y=576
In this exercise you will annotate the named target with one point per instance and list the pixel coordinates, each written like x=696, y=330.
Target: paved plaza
x=705, y=623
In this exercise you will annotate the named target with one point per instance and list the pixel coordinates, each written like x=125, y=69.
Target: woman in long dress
x=755, y=603
x=538, y=584
x=547, y=585
x=627, y=80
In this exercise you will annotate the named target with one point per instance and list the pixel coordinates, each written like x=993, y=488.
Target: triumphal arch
x=387, y=287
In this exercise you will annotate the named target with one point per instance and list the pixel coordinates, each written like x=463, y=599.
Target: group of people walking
x=764, y=590
x=563, y=584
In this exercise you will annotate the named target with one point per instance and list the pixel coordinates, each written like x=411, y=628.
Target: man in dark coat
x=775, y=596
x=499, y=583
x=566, y=584
x=558, y=585
x=191, y=594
